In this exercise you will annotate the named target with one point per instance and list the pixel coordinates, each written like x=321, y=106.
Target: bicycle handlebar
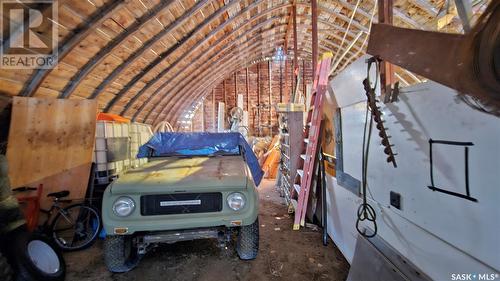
x=24, y=188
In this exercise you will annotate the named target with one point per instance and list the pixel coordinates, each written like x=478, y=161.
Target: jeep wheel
x=120, y=255
x=5, y=269
x=247, y=244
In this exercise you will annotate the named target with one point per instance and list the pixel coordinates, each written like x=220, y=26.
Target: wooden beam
x=200, y=90
x=82, y=72
x=385, y=15
x=281, y=81
x=216, y=62
x=247, y=90
x=224, y=92
x=222, y=68
x=184, y=70
x=304, y=87
x=213, y=111
x=160, y=59
x=236, y=88
x=314, y=25
x=295, y=49
x=270, y=78
x=258, y=99
x=204, y=55
x=289, y=30
x=181, y=58
x=188, y=91
x=71, y=40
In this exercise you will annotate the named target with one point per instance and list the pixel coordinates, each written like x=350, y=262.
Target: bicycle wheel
x=76, y=227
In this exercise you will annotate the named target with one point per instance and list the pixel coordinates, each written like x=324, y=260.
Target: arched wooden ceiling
x=150, y=60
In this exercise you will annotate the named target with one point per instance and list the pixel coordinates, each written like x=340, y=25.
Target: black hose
x=365, y=210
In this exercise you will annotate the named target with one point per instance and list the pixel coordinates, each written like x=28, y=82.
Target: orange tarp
x=270, y=166
x=112, y=117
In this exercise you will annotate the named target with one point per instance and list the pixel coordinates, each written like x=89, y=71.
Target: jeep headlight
x=236, y=201
x=123, y=206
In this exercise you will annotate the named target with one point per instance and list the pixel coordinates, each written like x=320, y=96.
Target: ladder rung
x=300, y=172
x=303, y=156
x=297, y=188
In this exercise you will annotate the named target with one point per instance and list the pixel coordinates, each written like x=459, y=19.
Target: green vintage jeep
x=208, y=192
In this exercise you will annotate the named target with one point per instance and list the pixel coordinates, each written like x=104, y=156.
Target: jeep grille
x=185, y=203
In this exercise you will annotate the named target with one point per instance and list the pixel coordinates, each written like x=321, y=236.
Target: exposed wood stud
x=104, y=52
x=314, y=26
x=270, y=93
x=202, y=55
x=247, y=89
x=281, y=81
x=209, y=36
x=258, y=99
x=213, y=111
x=385, y=15
x=224, y=92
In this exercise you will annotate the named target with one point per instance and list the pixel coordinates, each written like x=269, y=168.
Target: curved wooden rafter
x=191, y=50
x=202, y=90
x=71, y=41
x=189, y=90
x=182, y=97
x=235, y=56
x=205, y=71
x=204, y=54
x=190, y=60
x=164, y=85
x=252, y=54
x=104, y=52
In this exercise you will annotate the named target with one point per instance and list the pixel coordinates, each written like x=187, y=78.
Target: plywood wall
x=51, y=143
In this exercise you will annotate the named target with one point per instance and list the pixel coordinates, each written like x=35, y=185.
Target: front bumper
x=115, y=225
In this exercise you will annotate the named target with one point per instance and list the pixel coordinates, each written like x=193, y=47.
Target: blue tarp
x=165, y=144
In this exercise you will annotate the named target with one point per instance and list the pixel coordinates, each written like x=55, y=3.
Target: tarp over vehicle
x=172, y=143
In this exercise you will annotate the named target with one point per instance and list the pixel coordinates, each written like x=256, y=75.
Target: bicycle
x=74, y=227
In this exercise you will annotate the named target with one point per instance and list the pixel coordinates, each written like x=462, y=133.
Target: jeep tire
x=247, y=245
x=120, y=255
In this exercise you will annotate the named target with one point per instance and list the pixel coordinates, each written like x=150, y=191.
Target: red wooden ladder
x=311, y=133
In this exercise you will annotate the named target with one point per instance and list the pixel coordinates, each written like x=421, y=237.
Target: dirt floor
x=284, y=255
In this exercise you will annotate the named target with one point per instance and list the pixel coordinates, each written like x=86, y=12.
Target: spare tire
x=36, y=258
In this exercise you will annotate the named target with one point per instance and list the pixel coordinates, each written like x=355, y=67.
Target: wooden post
x=203, y=115
x=270, y=94
x=281, y=80
x=295, y=49
x=236, y=88
x=224, y=91
x=213, y=111
x=248, y=90
x=385, y=15
x=258, y=99
x=314, y=22
x=304, y=81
